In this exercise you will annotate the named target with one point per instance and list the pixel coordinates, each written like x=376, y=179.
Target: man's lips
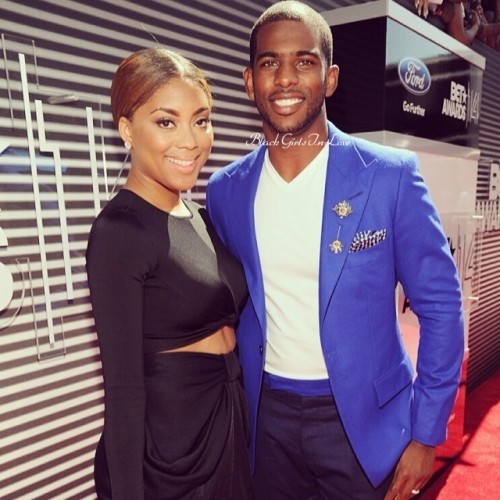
x=288, y=101
x=286, y=104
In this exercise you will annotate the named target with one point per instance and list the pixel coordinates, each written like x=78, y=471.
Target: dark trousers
x=302, y=452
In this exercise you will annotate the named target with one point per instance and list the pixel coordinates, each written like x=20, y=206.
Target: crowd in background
x=465, y=20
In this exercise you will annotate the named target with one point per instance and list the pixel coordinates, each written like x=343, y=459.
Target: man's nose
x=286, y=75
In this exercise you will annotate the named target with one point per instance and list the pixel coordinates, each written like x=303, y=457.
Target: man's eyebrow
x=299, y=53
x=312, y=53
x=268, y=53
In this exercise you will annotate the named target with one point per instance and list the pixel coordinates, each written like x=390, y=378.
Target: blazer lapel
x=348, y=180
x=245, y=189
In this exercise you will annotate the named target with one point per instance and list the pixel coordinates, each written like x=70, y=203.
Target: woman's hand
x=422, y=7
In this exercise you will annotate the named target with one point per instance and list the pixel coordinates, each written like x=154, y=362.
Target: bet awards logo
x=414, y=75
x=463, y=103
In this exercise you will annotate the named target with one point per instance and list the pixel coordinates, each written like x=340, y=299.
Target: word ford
x=414, y=75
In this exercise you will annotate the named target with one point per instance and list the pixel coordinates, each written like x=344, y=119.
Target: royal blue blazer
x=381, y=404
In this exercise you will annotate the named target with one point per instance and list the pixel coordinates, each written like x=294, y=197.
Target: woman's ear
x=125, y=129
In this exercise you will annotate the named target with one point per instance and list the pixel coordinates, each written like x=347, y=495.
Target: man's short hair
x=292, y=10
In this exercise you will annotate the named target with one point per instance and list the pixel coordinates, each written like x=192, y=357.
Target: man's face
x=290, y=79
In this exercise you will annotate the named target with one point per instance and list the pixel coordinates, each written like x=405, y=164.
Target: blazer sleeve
x=429, y=277
x=208, y=199
x=117, y=263
x=213, y=201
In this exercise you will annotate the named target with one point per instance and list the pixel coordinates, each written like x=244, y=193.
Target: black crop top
x=157, y=282
x=190, y=284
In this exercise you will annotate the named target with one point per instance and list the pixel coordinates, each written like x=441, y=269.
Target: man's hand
x=414, y=469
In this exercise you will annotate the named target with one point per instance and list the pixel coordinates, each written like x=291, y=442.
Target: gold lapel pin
x=343, y=209
x=336, y=245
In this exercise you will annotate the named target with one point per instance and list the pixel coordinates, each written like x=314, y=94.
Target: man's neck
x=291, y=154
x=290, y=162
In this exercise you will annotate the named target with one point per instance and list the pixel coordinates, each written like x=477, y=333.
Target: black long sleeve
x=117, y=262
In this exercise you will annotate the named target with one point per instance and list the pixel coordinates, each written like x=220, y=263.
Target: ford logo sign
x=414, y=75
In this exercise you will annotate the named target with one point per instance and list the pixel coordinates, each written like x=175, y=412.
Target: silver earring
x=127, y=145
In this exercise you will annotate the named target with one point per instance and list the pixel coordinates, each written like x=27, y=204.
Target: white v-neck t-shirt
x=288, y=219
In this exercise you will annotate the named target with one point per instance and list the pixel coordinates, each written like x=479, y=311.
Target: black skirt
x=196, y=428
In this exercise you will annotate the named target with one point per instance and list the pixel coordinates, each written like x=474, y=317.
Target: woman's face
x=171, y=137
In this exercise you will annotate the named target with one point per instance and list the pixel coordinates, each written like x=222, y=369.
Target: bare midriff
x=222, y=341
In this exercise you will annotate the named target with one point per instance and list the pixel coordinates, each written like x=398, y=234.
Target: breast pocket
x=368, y=254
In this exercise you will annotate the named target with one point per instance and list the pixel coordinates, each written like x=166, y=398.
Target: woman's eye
x=165, y=123
x=203, y=122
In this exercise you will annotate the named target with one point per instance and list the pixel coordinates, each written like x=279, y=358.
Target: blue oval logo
x=414, y=75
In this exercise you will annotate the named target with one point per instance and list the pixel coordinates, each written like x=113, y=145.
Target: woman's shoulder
x=121, y=224
x=124, y=211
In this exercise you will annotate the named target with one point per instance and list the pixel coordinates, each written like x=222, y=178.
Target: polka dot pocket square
x=367, y=239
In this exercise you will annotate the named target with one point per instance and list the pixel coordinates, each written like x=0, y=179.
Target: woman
x=166, y=295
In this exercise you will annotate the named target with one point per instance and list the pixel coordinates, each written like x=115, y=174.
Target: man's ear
x=248, y=79
x=332, y=79
x=124, y=129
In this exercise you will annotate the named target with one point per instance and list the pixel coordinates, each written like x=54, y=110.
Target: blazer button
x=261, y=349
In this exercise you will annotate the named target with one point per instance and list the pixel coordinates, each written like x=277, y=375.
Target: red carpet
x=475, y=473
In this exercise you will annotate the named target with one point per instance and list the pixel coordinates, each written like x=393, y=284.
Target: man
x=326, y=225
